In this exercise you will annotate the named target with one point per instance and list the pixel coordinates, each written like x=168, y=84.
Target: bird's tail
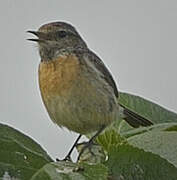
x=134, y=119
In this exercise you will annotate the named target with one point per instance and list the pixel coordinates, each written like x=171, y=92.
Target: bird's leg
x=90, y=142
x=68, y=156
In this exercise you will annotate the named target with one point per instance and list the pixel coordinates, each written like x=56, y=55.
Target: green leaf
x=155, y=127
x=162, y=143
x=71, y=171
x=146, y=109
x=129, y=163
x=109, y=138
x=20, y=156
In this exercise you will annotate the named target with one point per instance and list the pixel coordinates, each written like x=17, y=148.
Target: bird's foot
x=67, y=158
x=86, y=145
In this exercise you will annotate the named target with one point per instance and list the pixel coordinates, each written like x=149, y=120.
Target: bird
x=77, y=89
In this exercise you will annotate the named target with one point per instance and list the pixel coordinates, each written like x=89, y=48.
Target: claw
x=86, y=145
x=67, y=158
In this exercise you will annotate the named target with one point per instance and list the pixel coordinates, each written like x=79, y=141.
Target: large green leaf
x=71, y=171
x=20, y=156
x=146, y=109
x=155, y=127
x=129, y=163
x=163, y=143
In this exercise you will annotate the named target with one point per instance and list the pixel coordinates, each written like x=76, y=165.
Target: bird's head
x=56, y=37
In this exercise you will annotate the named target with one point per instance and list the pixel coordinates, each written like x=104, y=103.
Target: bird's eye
x=61, y=34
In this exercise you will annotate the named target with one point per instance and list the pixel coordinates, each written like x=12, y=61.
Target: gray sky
x=137, y=40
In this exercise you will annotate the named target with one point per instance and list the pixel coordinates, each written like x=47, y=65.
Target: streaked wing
x=105, y=72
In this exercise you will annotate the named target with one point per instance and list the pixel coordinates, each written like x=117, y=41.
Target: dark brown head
x=56, y=38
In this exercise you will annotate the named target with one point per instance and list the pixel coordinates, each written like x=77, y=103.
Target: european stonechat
x=77, y=89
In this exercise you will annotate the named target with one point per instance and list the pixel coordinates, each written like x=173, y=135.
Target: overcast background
x=137, y=40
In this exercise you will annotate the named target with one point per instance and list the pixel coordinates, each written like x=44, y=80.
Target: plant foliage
x=121, y=152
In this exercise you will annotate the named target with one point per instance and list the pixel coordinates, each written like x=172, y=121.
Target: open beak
x=38, y=34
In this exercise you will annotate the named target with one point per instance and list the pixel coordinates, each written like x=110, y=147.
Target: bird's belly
x=74, y=100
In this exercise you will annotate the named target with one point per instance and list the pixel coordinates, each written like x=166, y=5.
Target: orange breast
x=57, y=76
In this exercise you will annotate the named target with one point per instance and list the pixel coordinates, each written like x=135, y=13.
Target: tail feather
x=134, y=119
